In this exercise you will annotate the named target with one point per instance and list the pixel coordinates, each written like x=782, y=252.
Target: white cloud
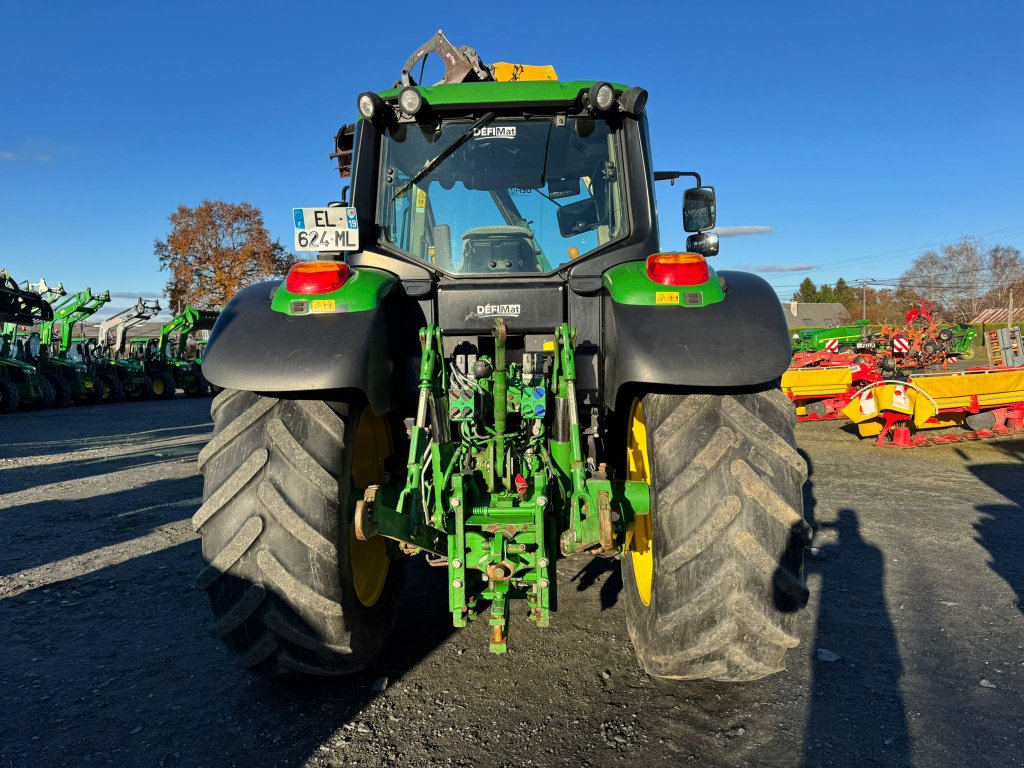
x=10, y=156
x=782, y=268
x=135, y=295
x=744, y=230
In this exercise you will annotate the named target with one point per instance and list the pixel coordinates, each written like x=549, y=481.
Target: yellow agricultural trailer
x=986, y=402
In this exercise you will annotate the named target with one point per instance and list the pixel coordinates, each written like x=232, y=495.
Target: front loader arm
x=21, y=306
x=87, y=309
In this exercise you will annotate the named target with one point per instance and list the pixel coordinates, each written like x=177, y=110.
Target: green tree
x=826, y=294
x=807, y=293
x=846, y=296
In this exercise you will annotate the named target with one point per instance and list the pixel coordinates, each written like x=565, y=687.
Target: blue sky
x=861, y=133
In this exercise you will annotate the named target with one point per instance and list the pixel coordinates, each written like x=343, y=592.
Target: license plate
x=326, y=229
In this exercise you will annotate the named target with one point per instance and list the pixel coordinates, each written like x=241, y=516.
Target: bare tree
x=1007, y=269
x=962, y=278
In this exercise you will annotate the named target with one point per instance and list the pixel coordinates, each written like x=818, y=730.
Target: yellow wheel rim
x=158, y=387
x=370, y=559
x=638, y=467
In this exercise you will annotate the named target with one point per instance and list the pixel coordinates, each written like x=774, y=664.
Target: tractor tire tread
x=275, y=504
x=61, y=390
x=10, y=398
x=275, y=539
x=231, y=553
x=170, y=387
x=728, y=537
x=49, y=395
x=230, y=488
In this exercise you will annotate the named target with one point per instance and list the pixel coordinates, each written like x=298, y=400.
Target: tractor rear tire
x=278, y=536
x=202, y=388
x=94, y=396
x=49, y=395
x=725, y=581
x=164, y=386
x=144, y=391
x=62, y=392
x=111, y=389
x=9, y=397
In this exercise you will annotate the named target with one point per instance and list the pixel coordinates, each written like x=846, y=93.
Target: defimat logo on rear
x=497, y=310
x=495, y=132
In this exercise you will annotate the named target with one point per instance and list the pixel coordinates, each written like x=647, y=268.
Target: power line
x=982, y=237
x=897, y=280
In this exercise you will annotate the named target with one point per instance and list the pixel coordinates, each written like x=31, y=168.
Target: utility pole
x=864, y=299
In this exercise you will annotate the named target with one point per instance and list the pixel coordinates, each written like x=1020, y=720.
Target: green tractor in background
x=959, y=339
x=166, y=361
x=21, y=384
x=201, y=342
x=504, y=370
x=70, y=372
x=849, y=339
x=111, y=354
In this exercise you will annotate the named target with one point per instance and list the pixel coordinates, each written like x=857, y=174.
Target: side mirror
x=699, y=209
x=704, y=243
x=577, y=218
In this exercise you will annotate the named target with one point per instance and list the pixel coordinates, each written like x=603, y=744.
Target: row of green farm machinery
x=896, y=383
x=44, y=364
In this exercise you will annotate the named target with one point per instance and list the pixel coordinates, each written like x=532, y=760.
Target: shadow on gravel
x=1001, y=528
x=116, y=668
x=106, y=434
x=593, y=571
x=23, y=478
x=43, y=532
x=810, y=500
x=863, y=683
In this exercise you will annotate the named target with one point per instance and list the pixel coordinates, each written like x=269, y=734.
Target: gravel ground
x=912, y=652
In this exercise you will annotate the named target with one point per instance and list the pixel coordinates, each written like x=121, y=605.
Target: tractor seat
x=488, y=250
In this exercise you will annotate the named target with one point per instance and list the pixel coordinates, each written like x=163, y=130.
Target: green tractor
x=847, y=339
x=200, y=352
x=21, y=384
x=111, y=354
x=504, y=370
x=167, y=362
x=959, y=340
x=69, y=371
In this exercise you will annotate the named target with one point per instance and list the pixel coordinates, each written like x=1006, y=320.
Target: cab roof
x=521, y=92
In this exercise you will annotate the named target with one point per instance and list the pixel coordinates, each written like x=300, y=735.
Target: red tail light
x=677, y=268
x=316, y=276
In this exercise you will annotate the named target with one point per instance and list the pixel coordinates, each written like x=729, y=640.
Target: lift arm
x=74, y=309
x=187, y=321
x=121, y=322
x=21, y=306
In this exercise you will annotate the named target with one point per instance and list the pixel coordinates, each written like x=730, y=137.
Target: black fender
x=252, y=347
x=742, y=341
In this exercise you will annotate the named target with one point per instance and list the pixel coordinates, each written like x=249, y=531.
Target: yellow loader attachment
x=510, y=73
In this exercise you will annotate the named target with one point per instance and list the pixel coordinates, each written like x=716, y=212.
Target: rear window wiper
x=444, y=154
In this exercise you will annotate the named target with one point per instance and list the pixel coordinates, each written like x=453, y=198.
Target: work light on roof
x=369, y=104
x=601, y=96
x=633, y=100
x=410, y=100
